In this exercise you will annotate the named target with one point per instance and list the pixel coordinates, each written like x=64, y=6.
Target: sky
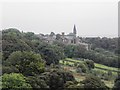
x=92, y=18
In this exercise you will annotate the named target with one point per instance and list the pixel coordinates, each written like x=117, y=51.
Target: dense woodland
x=29, y=62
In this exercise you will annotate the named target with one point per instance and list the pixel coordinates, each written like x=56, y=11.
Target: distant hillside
x=110, y=44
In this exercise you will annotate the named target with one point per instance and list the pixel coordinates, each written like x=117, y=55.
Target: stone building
x=70, y=38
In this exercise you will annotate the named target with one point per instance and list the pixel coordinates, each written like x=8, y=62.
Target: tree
x=28, y=63
x=73, y=86
x=75, y=51
x=56, y=78
x=52, y=34
x=51, y=53
x=37, y=82
x=81, y=68
x=14, y=81
x=58, y=37
x=117, y=83
x=70, y=51
x=30, y=36
x=109, y=73
x=12, y=40
x=89, y=64
x=93, y=82
x=56, y=82
x=9, y=69
x=110, y=44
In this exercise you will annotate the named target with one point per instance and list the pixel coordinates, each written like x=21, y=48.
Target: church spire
x=74, y=29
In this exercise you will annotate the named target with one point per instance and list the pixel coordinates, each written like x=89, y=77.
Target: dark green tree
x=12, y=40
x=37, y=82
x=81, y=68
x=51, y=53
x=28, y=63
x=117, y=83
x=94, y=83
x=89, y=64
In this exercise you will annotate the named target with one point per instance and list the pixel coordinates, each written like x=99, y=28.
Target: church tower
x=74, y=30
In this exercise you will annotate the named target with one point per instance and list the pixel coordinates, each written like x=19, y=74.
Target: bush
x=93, y=82
x=81, y=67
x=109, y=73
x=14, y=81
x=89, y=64
x=56, y=78
x=117, y=83
x=72, y=86
x=28, y=63
x=9, y=69
x=51, y=53
x=37, y=82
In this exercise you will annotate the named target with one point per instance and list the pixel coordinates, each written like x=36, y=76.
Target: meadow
x=69, y=65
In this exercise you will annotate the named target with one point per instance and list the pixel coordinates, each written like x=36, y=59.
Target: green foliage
x=110, y=44
x=51, y=53
x=12, y=40
x=11, y=32
x=93, y=82
x=30, y=36
x=9, y=69
x=68, y=83
x=89, y=64
x=98, y=55
x=117, y=83
x=37, y=82
x=28, y=63
x=17, y=57
x=56, y=81
x=109, y=73
x=74, y=51
x=72, y=85
x=81, y=68
x=14, y=81
x=56, y=78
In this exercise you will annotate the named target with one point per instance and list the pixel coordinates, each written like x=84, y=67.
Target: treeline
x=110, y=44
x=14, y=40
x=98, y=55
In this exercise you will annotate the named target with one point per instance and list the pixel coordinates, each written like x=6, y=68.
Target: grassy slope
x=80, y=77
x=98, y=66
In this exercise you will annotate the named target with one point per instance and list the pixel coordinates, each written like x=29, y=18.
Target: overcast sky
x=91, y=18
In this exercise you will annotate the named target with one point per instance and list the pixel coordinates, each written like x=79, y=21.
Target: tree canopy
x=28, y=63
x=14, y=81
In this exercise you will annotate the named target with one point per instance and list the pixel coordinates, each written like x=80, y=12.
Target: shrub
x=37, y=82
x=81, y=67
x=9, y=69
x=28, y=63
x=14, y=81
x=93, y=82
x=117, y=83
x=89, y=64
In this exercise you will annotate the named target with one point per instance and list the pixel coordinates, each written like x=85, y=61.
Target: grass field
x=98, y=66
x=105, y=67
x=80, y=77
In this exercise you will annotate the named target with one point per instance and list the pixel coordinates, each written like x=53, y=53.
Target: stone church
x=70, y=38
